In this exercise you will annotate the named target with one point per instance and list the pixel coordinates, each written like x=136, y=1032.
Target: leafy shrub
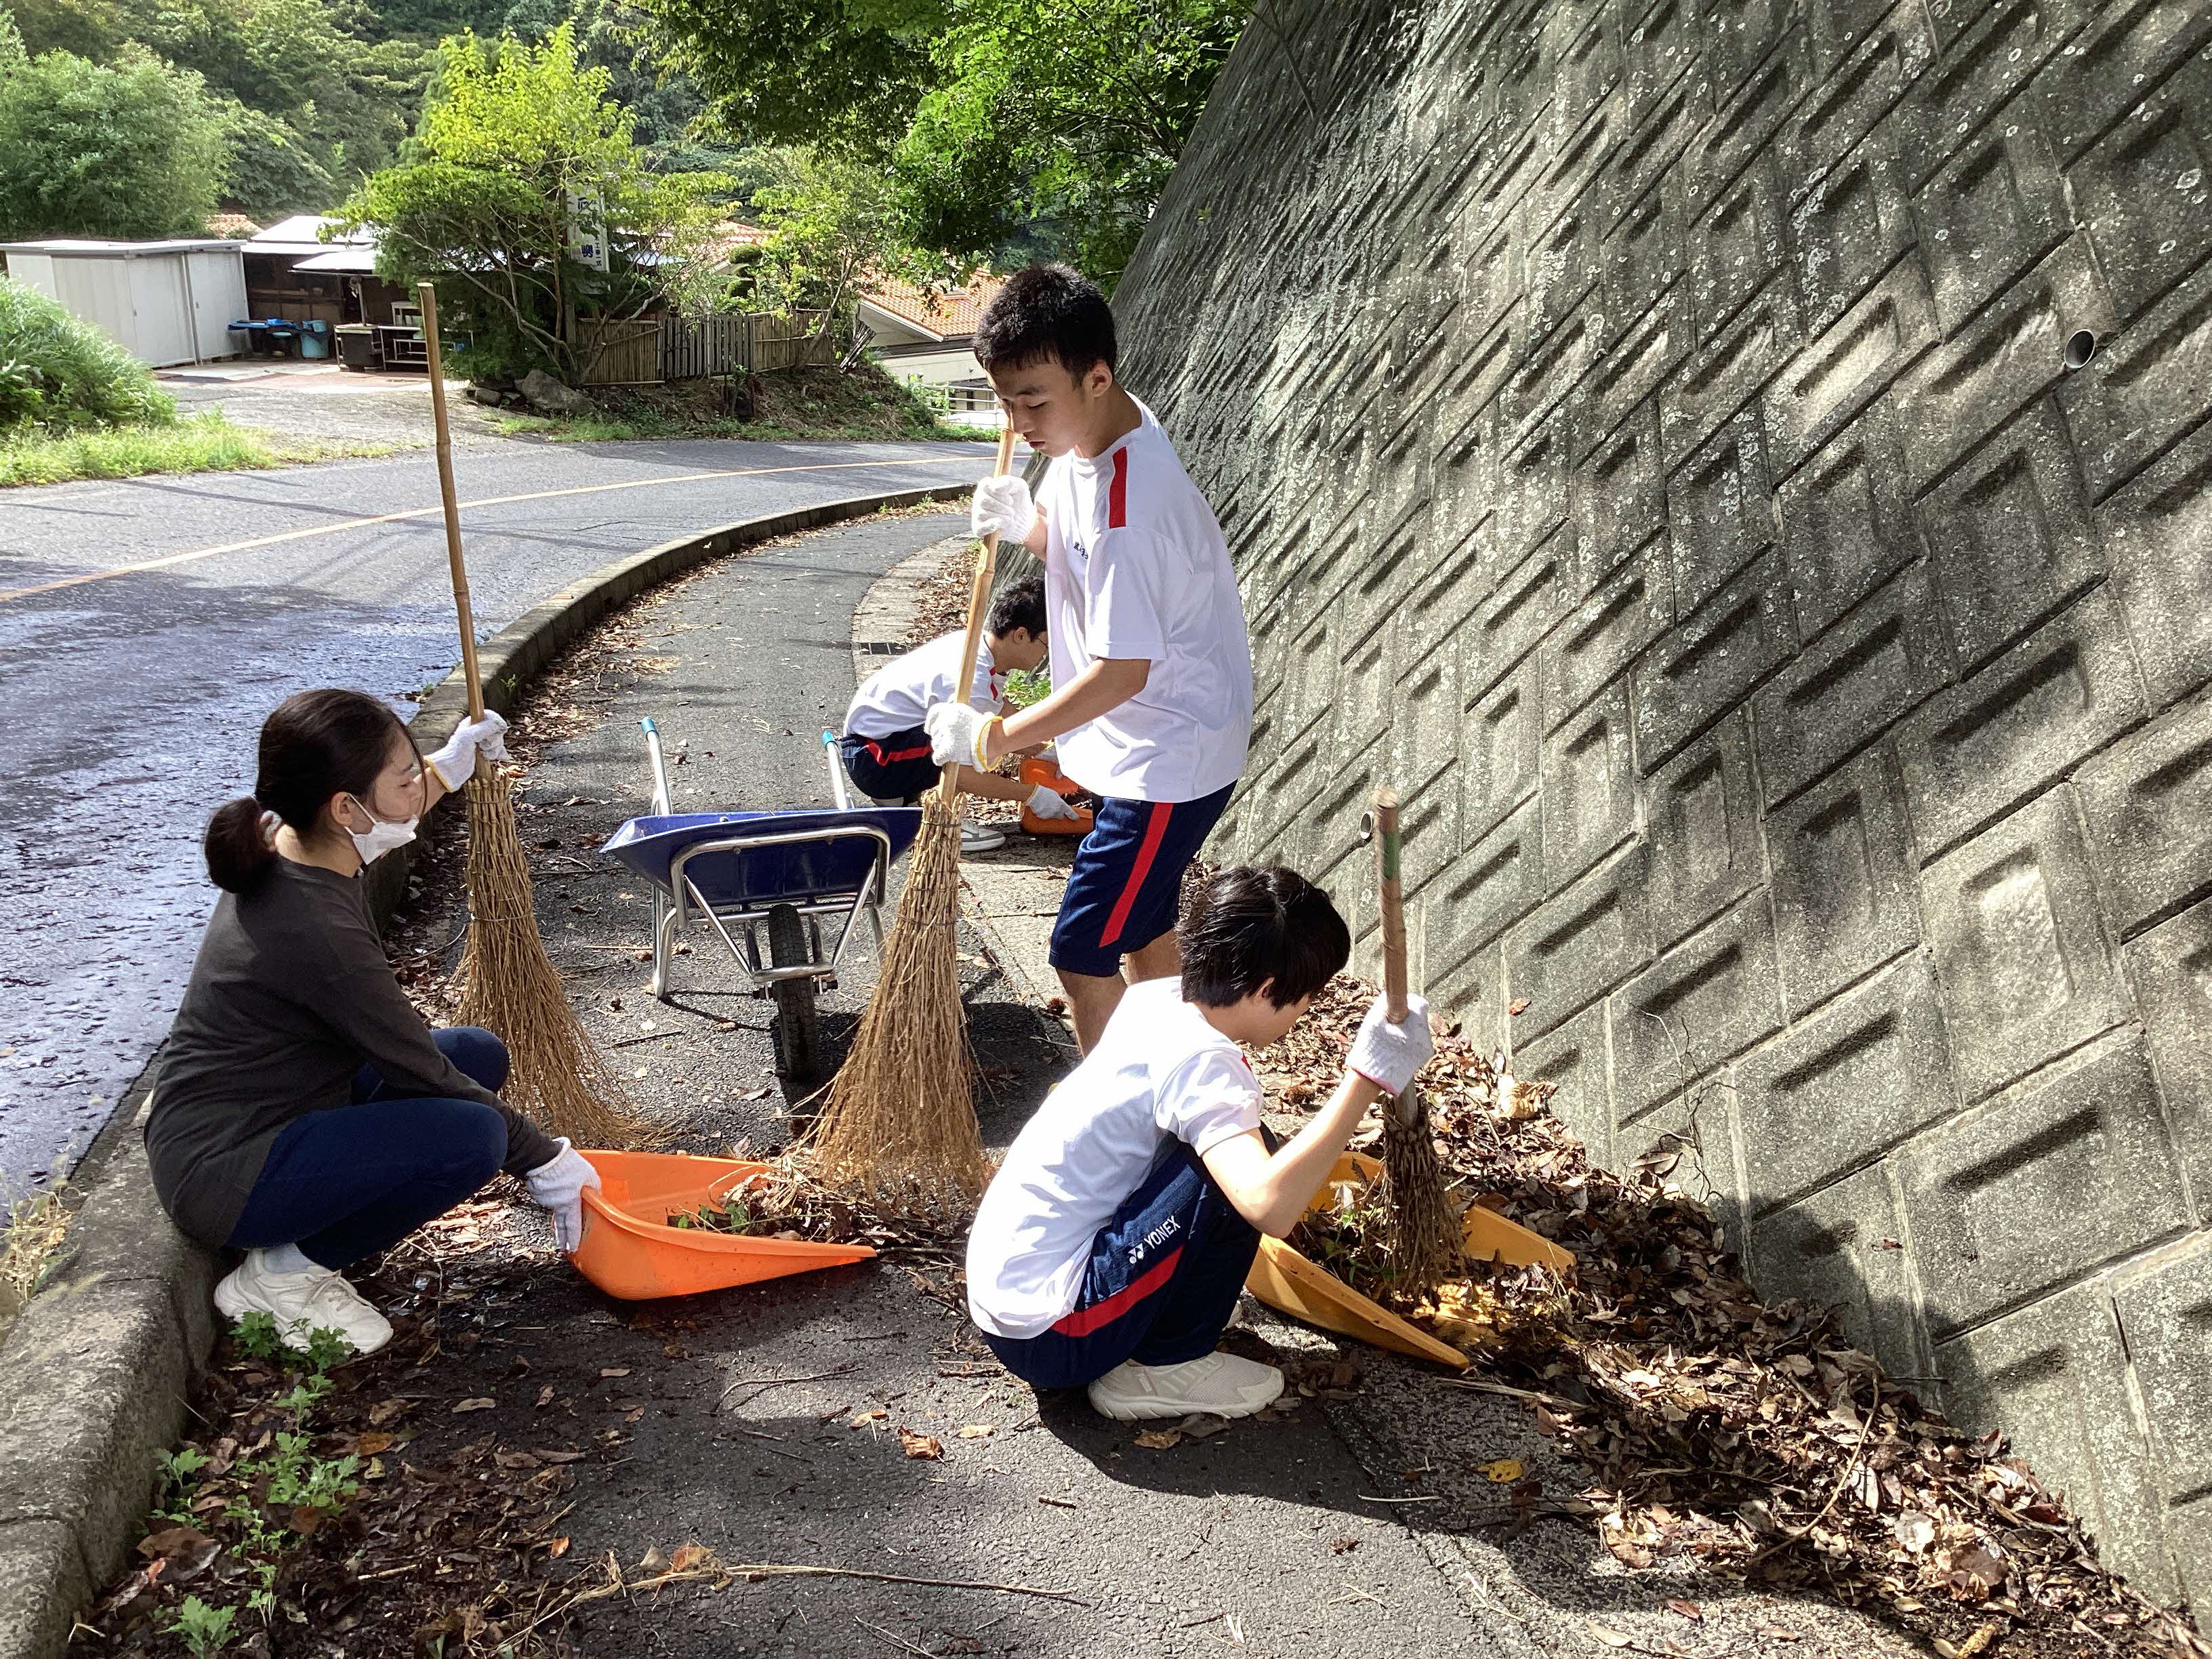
x=60, y=371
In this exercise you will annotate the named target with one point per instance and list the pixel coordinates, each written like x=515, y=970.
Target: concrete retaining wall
x=1647, y=437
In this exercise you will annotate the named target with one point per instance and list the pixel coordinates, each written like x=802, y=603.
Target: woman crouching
x=304, y=1112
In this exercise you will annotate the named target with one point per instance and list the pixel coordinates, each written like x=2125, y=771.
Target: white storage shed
x=167, y=302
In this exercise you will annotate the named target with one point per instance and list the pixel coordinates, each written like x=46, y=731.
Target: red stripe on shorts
x=1156, y=830
x=1083, y=1321
x=882, y=759
x=1117, y=494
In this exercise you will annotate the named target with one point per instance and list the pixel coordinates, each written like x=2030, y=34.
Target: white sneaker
x=1220, y=1384
x=301, y=1304
x=980, y=838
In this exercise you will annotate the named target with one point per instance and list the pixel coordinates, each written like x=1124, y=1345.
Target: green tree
x=1064, y=115
x=133, y=150
x=520, y=152
x=275, y=169
x=834, y=221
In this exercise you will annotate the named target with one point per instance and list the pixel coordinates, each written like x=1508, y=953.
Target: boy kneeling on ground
x=1113, y=1242
x=886, y=752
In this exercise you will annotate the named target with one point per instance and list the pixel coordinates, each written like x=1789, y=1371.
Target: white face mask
x=381, y=837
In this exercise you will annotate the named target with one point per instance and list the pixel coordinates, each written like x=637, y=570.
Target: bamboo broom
x=1423, y=1228
x=507, y=984
x=898, y=1126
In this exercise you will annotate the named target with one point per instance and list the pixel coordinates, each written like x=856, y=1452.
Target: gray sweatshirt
x=290, y=997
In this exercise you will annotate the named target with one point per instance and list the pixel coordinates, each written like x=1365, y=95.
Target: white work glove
x=456, y=761
x=558, y=1186
x=955, y=729
x=1048, y=802
x=1002, y=508
x=1388, y=1055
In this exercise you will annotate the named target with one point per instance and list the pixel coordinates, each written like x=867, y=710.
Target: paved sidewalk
x=763, y=1423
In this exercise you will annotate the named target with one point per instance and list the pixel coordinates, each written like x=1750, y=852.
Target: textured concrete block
x=2012, y=353
x=1850, y=228
x=1606, y=632
x=2160, y=532
x=2053, y=1376
x=1752, y=113
x=1529, y=598
x=2011, y=535
x=2189, y=1534
x=1364, y=680
x=2085, y=90
x=1471, y=991
x=1656, y=341
x=1722, y=377
x=1589, y=796
x=1644, y=258
x=2084, y=1139
x=1503, y=734
x=1860, y=1077
x=1658, y=48
x=1619, y=498
x=1585, y=939
x=1703, y=852
x=2002, y=207
x=1738, y=246
x=1705, y=666
x=1574, y=1057
x=1532, y=484
x=1978, y=749
x=1989, y=53
x=1844, y=108
x=1846, y=525
x=2144, y=191
x=1845, y=366
x=2144, y=388
x=1720, y=512
x=2147, y=804
x=1564, y=263
x=1498, y=879
x=2171, y=968
x=1704, y=1001
x=1845, y=894
x=1886, y=659
x=1657, y=138
x=1554, y=364
x=2167, y=1316
x=2012, y=916
x=1425, y=719
x=1842, y=1248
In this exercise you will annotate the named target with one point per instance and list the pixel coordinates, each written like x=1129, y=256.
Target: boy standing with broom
x=1152, y=670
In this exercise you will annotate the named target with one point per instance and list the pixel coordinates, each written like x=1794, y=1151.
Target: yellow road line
x=169, y=560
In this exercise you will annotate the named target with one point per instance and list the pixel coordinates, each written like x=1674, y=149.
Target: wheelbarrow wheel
x=797, y=1032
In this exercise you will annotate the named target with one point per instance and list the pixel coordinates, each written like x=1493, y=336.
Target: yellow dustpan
x=1290, y=1283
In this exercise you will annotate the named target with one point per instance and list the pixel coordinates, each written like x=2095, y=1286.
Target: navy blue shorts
x=1162, y=1283
x=1127, y=880
x=897, y=767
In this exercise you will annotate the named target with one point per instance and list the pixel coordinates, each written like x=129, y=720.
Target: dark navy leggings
x=1163, y=1282
x=346, y=1183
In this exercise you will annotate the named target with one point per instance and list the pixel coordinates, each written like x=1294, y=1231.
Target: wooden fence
x=647, y=351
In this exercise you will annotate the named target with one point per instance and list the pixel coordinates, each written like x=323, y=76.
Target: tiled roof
x=231, y=224
x=949, y=316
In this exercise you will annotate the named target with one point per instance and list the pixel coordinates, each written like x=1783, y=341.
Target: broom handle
x=1392, y=907
x=428, y=298
x=1392, y=911
x=979, y=602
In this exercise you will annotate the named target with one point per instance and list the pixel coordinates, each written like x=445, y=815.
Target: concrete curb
x=95, y=1371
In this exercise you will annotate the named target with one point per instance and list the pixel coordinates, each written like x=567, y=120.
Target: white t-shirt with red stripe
x=1160, y=1073
x=1135, y=566
x=900, y=692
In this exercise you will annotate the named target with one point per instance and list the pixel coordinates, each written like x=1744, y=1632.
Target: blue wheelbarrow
x=764, y=883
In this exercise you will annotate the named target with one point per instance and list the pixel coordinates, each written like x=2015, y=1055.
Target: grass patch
x=813, y=404
x=204, y=443
x=30, y=1233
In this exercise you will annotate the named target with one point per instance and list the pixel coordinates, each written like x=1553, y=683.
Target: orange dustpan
x=630, y=1250
x=1037, y=770
x=1289, y=1283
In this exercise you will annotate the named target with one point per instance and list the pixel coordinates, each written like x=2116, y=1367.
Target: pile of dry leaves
x=1750, y=1436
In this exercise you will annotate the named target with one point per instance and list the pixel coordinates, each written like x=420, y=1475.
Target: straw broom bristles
x=898, y=1126
x=509, y=987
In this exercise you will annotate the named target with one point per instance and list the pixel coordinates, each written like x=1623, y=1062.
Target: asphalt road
x=148, y=626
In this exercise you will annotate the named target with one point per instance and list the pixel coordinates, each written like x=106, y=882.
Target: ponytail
x=316, y=745
x=239, y=848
